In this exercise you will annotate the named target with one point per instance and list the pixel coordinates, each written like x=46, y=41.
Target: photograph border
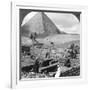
x=15, y=49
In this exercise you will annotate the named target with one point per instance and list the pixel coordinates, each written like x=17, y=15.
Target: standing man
x=58, y=72
x=36, y=66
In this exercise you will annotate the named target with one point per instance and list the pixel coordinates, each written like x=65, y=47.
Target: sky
x=66, y=22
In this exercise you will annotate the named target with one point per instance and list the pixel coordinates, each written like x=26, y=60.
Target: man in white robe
x=58, y=72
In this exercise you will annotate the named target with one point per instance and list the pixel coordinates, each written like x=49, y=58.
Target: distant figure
x=47, y=55
x=52, y=43
x=58, y=72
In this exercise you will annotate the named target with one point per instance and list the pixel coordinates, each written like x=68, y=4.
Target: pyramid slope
x=41, y=24
x=49, y=26
x=33, y=25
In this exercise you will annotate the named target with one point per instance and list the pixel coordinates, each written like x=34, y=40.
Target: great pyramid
x=41, y=24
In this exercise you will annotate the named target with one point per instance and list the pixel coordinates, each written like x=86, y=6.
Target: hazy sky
x=66, y=22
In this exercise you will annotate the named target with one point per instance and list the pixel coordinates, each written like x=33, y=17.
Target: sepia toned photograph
x=49, y=43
